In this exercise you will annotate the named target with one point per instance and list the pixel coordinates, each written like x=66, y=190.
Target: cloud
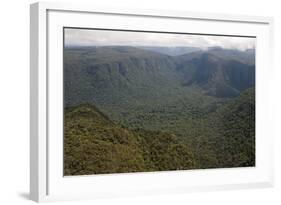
x=91, y=37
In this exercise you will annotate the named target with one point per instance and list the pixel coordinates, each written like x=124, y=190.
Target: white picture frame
x=47, y=182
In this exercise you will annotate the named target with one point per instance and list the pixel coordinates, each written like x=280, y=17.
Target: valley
x=173, y=112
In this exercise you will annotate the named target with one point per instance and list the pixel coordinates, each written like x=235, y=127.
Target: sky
x=91, y=37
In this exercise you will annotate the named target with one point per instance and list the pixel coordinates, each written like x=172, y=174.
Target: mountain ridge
x=129, y=71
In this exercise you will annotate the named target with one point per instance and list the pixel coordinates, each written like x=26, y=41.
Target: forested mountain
x=131, y=109
x=106, y=74
x=236, y=123
x=230, y=141
x=219, y=77
x=93, y=144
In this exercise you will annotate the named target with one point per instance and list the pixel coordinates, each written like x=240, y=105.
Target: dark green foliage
x=236, y=122
x=163, y=151
x=95, y=145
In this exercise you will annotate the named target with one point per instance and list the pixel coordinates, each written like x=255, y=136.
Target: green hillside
x=236, y=124
x=93, y=144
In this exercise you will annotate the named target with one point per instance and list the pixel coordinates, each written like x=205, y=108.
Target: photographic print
x=139, y=101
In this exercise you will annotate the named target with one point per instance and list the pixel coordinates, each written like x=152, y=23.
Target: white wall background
x=14, y=101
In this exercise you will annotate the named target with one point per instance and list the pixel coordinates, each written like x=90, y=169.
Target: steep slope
x=108, y=74
x=245, y=57
x=216, y=72
x=236, y=125
x=226, y=137
x=93, y=144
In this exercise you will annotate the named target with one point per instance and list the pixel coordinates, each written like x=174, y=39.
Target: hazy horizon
x=91, y=37
x=170, y=47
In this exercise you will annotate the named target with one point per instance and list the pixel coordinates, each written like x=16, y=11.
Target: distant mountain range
x=171, y=51
x=104, y=74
